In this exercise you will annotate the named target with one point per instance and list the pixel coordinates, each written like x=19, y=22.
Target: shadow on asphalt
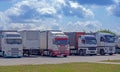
x=36, y=56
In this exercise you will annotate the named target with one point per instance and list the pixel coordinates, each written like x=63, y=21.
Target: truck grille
x=92, y=48
x=15, y=51
x=62, y=49
x=111, y=48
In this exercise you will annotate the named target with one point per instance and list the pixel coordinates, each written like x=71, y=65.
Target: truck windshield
x=14, y=41
x=90, y=40
x=60, y=41
x=110, y=38
x=13, y=35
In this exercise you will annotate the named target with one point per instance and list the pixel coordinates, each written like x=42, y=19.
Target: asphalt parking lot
x=34, y=60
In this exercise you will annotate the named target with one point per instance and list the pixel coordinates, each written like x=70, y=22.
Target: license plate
x=92, y=52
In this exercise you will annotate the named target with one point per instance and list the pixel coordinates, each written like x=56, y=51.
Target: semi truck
x=54, y=43
x=105, y=43
x=31, y=42
x=10, y=44
x=82, y=44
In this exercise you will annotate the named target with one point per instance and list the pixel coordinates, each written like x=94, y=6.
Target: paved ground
x=48, y=60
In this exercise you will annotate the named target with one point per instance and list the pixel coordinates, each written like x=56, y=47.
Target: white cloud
x=44, y=14
x=95, y=2
x=4, y=20
x=116, y=1
x=49, y=10
x=80, y=10
x=74, y=9
x=115, y=9
x=83, y=26
x=74, y=5
x=37, y=25
x=20, y=26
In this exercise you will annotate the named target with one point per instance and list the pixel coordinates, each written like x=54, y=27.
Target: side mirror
x=102, y=39
x=83, y=41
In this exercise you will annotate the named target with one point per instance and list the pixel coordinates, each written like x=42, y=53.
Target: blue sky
x=67, y=15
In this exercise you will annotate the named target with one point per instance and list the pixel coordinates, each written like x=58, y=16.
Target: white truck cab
x=11, y=44
x=105, y=43
x=87, y=45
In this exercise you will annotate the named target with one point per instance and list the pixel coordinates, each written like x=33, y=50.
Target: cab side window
x=102, y=39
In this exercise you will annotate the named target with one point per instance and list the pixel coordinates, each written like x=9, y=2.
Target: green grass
x=67, y=67
x=118, y=61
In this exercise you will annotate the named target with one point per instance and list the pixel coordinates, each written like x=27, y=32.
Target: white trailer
x=11, y=44
x=105, y=43
x=31, y=42
x=54, y=43
x=87, y=45
x=117, y=46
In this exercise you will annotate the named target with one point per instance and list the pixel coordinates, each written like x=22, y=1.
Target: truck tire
x=28, y=53
x=50, y=54
x=42, y=53
x=38, y=53
x=110, y=53
x=102, y=52
x=65, y=55
x=4, y=55
x=80, y=52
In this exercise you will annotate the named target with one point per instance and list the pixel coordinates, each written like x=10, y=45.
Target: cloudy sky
x=66, y=15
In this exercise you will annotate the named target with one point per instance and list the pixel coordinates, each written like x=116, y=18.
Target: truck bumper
x=117, y=50
x=9, y=55
x=58, y=53
x=14, y=56
x=91, y=52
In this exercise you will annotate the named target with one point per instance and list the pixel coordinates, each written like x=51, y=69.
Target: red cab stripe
x=61, y=38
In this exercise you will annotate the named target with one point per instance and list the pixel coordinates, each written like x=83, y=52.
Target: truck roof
x=11, y=33
x=52, y=30
x=8, y=30
x=57, y=32
x=27, y=30
x=89, y=35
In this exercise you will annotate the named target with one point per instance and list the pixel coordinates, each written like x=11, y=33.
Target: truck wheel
x=42, y=53
x=81, y=52
x=102, y=52
x=23, y=54
x=110, y=53
x=4, y=54
x=50, y=54
x=65, y=55
x=28, y=53
x=38, y=53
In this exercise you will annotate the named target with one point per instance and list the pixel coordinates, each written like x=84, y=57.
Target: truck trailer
x=105, y=43
x=82, y=44
x=10, y=44
x=31, y=42
x=54, y=43
x=117, y=46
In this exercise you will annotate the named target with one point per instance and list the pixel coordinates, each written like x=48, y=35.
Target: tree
x=107, y=31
